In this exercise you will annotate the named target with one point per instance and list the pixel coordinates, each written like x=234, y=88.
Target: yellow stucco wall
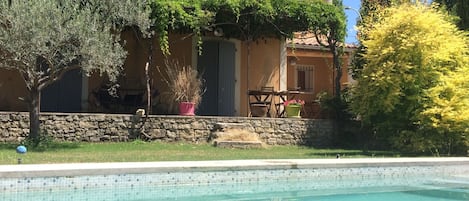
x=259, y=68
x=132, y=79
x=323, y=71
x=12, y=86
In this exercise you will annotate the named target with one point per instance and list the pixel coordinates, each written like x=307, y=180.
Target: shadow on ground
x=52, y=146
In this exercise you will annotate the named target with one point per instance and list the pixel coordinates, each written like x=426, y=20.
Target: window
x=304, y=77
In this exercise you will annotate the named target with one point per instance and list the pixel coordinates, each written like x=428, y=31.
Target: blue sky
x=352, y=17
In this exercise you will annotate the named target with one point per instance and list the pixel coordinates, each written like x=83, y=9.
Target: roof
x=306, y=40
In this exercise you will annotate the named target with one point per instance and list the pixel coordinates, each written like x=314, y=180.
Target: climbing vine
x=246, y=19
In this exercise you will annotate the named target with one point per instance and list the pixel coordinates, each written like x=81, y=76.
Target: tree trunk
x=147, y=81
x=34, y=110
x=338, y=76
x=147, y=77
x=338, y=68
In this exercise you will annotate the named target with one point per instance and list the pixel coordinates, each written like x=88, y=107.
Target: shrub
x=413, y=87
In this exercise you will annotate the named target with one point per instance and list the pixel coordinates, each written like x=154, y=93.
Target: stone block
x=87, y=125
x=100, y=118
x=198, y=125
x=4, y=118
x=157, y=133
x=184, y=126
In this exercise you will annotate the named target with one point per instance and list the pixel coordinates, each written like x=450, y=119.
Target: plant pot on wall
x=186, y=108
x=293, y=111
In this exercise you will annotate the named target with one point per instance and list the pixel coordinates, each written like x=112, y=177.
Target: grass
x=139, y=151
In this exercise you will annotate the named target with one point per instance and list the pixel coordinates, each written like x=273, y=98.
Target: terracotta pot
x=259, y=110
x=186, y=108
x=293, y=111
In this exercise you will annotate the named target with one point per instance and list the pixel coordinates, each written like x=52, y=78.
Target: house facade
x=229, y=67
x=310, y=69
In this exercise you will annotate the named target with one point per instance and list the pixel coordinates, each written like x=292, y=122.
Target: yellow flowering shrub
x=414, y=83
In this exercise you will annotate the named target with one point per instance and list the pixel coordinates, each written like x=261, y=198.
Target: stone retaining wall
x=14, y=127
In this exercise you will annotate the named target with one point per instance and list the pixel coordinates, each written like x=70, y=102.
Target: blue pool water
x=401, y=183
x=457, y=189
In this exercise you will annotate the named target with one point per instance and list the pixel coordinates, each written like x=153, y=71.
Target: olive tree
x=412, y=87
x=43, y=39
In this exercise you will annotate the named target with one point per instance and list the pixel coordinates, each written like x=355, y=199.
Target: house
x=310, y=69
x=230, y=68
x=223, y=61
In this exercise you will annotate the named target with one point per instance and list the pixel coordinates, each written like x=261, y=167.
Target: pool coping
x=83, y=169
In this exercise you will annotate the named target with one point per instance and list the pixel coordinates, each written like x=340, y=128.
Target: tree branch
x=57, y=75
x=316, y=35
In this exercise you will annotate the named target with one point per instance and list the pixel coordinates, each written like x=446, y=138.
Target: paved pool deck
x=80, y=169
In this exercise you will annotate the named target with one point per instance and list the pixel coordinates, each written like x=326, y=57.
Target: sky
x=352, y=16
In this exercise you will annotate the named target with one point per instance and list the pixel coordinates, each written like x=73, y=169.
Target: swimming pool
x=354, y=179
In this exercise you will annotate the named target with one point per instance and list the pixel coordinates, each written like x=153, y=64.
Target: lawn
x=155, y=151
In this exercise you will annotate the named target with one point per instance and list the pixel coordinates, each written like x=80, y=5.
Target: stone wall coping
x=83, y=169
x=162, y=116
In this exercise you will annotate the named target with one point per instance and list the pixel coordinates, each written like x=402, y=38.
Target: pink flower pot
x=186, y=108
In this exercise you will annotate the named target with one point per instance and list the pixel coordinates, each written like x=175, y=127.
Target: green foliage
x=171, y=15
x=245, y=19
x=349, y=132
x=371, y=11
x=337, y=107
x=446, y=109
x=39, y=143
x=411, y=87
x=458, y=8
x=43, y=39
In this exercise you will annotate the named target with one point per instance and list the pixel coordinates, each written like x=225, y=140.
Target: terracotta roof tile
x=308, y=39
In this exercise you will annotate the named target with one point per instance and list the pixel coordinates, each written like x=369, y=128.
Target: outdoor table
x=267, y=97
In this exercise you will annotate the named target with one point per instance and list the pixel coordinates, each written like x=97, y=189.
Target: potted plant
x=184, y=84
x=293, y=108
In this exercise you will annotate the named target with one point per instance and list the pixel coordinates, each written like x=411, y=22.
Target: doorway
x=63, y=95
x=217, y=65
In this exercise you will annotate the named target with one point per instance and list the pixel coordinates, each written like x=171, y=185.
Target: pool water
x=408, y=189
x=382, y=183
